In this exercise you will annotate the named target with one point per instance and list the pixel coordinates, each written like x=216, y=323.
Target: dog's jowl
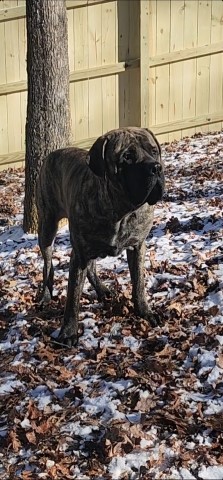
x=108, y=195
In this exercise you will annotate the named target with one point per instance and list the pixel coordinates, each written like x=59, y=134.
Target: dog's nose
x=155, y=168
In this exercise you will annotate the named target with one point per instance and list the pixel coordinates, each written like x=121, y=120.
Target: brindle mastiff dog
x=108, y=195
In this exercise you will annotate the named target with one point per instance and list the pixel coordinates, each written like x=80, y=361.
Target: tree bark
x=48, y=113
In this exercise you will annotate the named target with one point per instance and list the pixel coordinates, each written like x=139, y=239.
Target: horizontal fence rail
x=187, y=54
x=15, y=13
x=161, y=129
x=78, y=75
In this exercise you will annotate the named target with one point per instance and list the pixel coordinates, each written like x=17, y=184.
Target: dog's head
x=130, y=157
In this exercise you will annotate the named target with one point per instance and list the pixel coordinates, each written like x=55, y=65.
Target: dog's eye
x=128, y=157
x=154, y=152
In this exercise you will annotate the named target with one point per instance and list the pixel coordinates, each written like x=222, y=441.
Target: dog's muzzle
x=154, y=169
x=144, y=182
x=155, y=182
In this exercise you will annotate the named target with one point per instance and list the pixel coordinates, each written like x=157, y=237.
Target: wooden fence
x=155, y=63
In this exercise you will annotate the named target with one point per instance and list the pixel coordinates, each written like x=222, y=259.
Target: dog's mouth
x=143, y=188
x=144, y=183
x=156, y=192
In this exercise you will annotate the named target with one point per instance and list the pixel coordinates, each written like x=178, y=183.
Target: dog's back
x=59, y=169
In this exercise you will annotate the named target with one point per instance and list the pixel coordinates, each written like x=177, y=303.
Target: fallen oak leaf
x=58, y=468
x=27, y=475
x=31, y=437
x=102, y=354
x=45, y=426
x=33, y=411
x=219, y=360
x=213, y=311
x=176, y=306
x=167, y=351
x=16, y=444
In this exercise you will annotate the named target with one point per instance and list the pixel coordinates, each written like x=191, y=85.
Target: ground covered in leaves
x=131, y=401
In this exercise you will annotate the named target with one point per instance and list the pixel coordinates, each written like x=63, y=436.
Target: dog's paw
x=104, y=293
x=152, y=317
x=44, y=297
x=68, y=336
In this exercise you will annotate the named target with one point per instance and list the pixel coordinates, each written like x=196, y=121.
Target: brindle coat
x=108, y=195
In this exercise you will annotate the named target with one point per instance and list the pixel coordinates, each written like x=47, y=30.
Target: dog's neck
x=121, y=206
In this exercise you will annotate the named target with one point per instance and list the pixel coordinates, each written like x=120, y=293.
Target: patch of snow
x=42, y=395
x=123, y=465
x=9, y=385
x=75, y=428
x=134, y=417
x=131, y=342
x=215, y=407
x=214, y=472
x=220, y=339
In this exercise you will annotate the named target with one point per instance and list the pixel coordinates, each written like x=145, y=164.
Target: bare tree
x=48, y=114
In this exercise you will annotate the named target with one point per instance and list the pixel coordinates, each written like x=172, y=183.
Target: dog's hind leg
x=46, y=233
x=101, y=290
x=69, y=330
x=136, y=261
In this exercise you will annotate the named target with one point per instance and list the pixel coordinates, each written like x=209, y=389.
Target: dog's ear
x=96, y=156
x=154, y=138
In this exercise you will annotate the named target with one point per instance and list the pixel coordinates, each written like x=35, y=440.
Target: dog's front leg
x=47, y=229
x=136, y=260
x=101, y=290
x=69, y=330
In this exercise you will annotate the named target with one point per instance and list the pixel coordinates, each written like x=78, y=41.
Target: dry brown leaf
x=44, y=427
x=175, y=306
x=102, y=354
x=131, y=373
x=167, y=351
x=27, y=475
x=31, y=437
x=219, y=360
x=16, y=444
x=33, y=411
x=153, y=261
x=213, y=311
x=145, y=404
x=47, y=354
x=63, y=373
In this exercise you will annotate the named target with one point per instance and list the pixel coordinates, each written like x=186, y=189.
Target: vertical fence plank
x=12, y=75
x=116, y=61
x=144, y=63
x=3, y=102
x=162, y=73
x=123, y=54
x=216, y=63
x=203, y=64
x=189, y=67
x=152, y=52
x=14, y=122
x=80, y=107
x=71, y=57
x=22, y=48
x=95, y=85
x=23, y=104
x=177, y=9
x=134, y=106
x=109, y=23
x=22, y=76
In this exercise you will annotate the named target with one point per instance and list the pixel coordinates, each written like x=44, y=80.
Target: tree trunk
x=48, y=114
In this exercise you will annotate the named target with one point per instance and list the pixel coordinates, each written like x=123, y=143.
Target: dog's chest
x=111, y=238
